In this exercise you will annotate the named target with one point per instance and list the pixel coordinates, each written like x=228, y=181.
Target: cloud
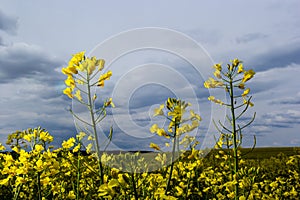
x=250, y=37
x=8, y=24
x=295, y=100
x=282, y=119
x=22, y=60
x=277, y=56
x=31, y=92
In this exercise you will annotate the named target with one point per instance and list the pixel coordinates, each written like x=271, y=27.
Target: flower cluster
x=90, y=67
x=235, y=74
x=64, y=173
x=176, y=110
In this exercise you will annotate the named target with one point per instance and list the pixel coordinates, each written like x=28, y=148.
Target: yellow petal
x=68, y=91
x=246, y=92
x=240, y=68
x=78, y=95
x=154, y=146
x=248, y=75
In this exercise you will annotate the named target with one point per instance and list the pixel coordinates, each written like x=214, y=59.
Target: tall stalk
x=80, y=63
x=172, y=158
x=176, y=109
x=92, y=114
x=234, y=133
x=228, y=80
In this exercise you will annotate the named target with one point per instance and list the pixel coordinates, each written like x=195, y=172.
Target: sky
x=156, y=50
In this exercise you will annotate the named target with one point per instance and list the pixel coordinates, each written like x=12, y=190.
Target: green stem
x=78, y=175
x=39, y=186
x=233, y=123
x=17, y=192
x=90, y=102
x=134, y=186
x=172, y=158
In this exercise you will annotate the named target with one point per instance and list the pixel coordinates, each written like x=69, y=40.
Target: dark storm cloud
x=25, y=61
x=7, y=23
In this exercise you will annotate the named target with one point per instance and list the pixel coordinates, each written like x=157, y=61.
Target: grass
x=260, y=153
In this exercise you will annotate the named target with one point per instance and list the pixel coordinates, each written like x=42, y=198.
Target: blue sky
x=38, y=37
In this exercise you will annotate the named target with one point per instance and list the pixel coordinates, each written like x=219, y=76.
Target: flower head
x=154, y=146
x=103, y=78
x=212, y=83
x=248, y=75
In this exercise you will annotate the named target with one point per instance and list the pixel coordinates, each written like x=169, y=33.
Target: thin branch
x=248, y=122
x=79, y=118
x=224, y=127
x=218, y=128
x=254, y=145
x=247, y=105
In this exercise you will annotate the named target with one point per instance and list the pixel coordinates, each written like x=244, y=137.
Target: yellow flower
x=217, y=74
x=293, y=192
x=38, y=147
x=240, y=68
x=81, y=135
x=78, y=95
x=70, y=82
x=235, y=62
x=162, y=132
x=231, y=195
x=109, y=102
x=5, y=181
x=242, y=198
x=246, y=92
x=159, y=111
x=248, y=75
x=179, y=190
x=193, y=115
x=154, y=146
x=217, y=101
x=71, y=70
x=69, y=143
x=2, y=148
x=89, y=148
x=91, y=137
x=76, y=59
x=27, y=137
x=103, y=78
x=66, y=71
x=218, y=67
x=77, y=148
x=241, y=86
x=250, y=103
x=91, y=65
x=71, y=195
x=212, y=83
x=154, y=128
x=68, y=91
x=101, y=63
x=80, y=82
x=16, y=149
x=20, y=180
x=45, y=181
x=45, y=136
x=39, y=165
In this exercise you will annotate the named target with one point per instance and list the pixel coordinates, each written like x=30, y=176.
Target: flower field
x=45, y=173
x=33, y=169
